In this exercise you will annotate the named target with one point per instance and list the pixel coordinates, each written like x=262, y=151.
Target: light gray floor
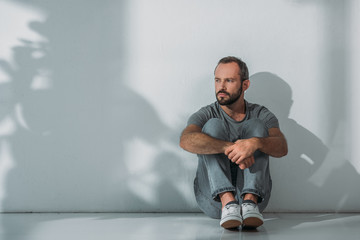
x=173, y=226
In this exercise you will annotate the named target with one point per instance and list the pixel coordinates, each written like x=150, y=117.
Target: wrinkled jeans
x=217, y=174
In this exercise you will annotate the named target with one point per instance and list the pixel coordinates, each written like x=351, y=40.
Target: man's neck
x=236, y=110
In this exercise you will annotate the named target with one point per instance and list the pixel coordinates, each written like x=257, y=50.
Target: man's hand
x=242, y=152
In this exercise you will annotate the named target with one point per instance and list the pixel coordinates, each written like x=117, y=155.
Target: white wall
x=94, y=96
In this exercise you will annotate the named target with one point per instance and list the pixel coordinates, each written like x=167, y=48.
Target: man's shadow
x=312, y=176
x=306, y=151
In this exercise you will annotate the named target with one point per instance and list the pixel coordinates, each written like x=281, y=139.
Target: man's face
x=228, y=87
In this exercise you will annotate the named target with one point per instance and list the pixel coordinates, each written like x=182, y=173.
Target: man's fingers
x=240, y=160
x=250, y=160
x=230, y=155
x=245, y=163
x=235, y=158
x=228, y=150
x=243, y=160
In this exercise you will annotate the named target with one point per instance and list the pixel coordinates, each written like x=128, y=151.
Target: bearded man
x=233, y=140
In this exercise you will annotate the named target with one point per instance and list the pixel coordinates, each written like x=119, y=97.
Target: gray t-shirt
x=252, y=111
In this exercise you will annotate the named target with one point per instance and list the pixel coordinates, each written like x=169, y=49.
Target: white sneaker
x=251, y=215
x=230, y=216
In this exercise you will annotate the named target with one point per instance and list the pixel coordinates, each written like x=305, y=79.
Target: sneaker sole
x=231, y=224
x=252, y=222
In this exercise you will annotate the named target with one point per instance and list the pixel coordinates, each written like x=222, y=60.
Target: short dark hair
x=244, y=72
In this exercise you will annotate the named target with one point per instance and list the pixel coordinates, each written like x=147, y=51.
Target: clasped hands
x=242, y=152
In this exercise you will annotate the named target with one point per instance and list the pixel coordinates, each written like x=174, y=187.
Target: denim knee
x=255, y=128
x=216, y=128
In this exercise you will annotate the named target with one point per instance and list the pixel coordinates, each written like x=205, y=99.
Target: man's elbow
x=182, y=143
x=185, y=143
x=281, y=152
x=284, y=151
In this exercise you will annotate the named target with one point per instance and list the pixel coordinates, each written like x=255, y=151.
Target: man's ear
x=246, y=84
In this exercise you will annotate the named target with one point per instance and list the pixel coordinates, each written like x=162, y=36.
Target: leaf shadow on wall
x=312, y=172
x=71, y=134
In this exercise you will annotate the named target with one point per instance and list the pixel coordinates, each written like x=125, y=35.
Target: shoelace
x=249, y=204
x=227, y=206
x=233, y=210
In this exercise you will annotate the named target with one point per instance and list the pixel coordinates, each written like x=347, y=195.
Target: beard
x=233, y=97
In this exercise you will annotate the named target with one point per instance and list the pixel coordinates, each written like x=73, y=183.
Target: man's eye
x=229, y=80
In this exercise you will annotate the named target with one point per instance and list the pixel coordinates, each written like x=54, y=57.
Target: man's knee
x=255, y=128
x=216, y=128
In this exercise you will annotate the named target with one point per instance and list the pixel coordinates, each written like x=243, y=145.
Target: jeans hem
x=253, y=191
x=215, y=195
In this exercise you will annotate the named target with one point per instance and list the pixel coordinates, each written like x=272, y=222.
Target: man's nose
x=222, y=85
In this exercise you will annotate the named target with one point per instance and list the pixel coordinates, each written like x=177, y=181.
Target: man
x=233, y=139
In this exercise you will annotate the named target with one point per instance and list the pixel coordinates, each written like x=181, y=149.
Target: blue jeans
x=217, y=174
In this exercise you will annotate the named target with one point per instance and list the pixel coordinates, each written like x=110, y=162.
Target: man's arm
x=241, y=152
x=275, y=145
x=195, y=141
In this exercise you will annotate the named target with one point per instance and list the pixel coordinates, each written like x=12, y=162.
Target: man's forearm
x=273, y=146
x=201, y=143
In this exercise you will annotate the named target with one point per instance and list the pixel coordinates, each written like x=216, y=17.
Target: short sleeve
x=268, y=118
x=199, y=118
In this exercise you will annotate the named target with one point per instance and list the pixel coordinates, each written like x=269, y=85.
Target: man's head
x=231, y=78
x=243, y=70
